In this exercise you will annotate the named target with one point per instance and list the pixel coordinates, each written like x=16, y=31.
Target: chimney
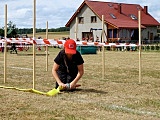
x=146, y=9
x=119, y=8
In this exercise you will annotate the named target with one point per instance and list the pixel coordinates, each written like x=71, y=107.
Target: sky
x=56, y=12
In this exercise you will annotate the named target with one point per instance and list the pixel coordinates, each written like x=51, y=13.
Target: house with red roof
x=120, y=22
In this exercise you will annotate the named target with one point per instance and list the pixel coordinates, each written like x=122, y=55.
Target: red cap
x=70, y=46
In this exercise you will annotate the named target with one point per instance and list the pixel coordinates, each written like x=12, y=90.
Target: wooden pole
x=47, y=47
x=76, y=28
x=5, y=46
x=103, y=53
x=140, y=67
x=34, y=38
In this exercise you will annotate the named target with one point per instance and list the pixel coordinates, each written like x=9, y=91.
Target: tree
x=12, y=30
x=11, y=25
x=1, y=32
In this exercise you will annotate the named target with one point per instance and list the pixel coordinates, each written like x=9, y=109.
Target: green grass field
x=116, y=97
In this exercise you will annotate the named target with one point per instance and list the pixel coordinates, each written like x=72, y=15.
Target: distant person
x=97, y=39
x=68, y=66
x=13, y=48
x=2, y=47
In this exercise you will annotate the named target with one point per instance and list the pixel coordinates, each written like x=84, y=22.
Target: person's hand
x=73, y=86
x=62, y=85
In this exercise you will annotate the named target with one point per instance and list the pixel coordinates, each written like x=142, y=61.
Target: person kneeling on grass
x=68, y=66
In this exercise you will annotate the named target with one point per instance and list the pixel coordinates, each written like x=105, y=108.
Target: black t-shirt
x=68, y=69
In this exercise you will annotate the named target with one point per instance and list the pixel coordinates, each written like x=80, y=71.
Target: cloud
x=56, y=12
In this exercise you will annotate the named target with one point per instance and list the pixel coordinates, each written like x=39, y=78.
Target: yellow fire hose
x=49, y=93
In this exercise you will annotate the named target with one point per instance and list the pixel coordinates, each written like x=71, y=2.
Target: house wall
x=87, y=25
x=146, y=33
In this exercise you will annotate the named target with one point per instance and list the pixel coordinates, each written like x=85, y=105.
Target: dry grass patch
x=118, y=96
x=51, y=35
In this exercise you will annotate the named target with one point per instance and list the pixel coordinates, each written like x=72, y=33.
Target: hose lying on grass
x=52, y=92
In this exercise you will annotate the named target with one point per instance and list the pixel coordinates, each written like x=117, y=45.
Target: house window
x=110, y=33
x=87, y=35
x=93, y=19
x=81, y=20
x=114, y=33
x=110, y=5
x=113, y=16
x=133, y=17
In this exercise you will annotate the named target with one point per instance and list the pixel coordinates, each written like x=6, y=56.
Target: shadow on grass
x=91, y=90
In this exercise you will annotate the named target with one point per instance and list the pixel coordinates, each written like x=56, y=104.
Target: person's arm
x=55, y=75
x=79, y=75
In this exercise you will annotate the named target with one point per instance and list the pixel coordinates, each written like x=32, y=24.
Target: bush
x=152, y=47
x=148, y=47
x=157, y=47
